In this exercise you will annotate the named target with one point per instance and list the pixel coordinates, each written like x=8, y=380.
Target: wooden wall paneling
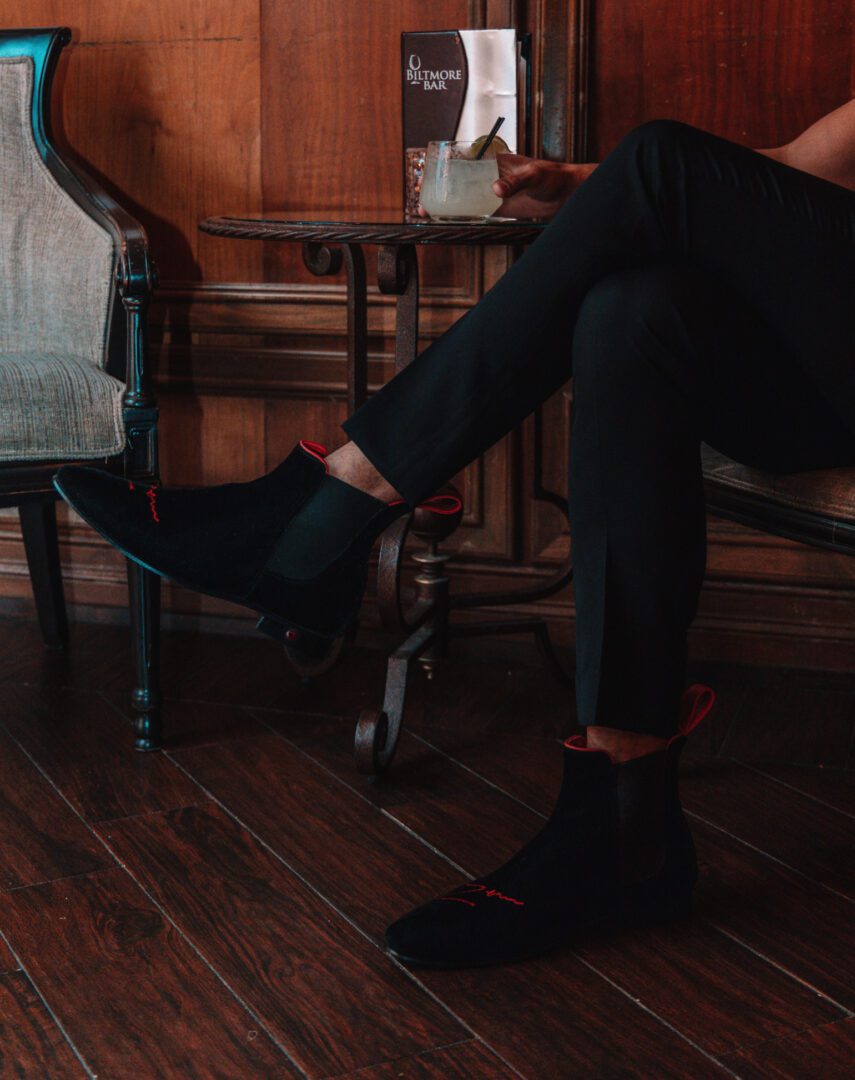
x=756, y=72
x=172, y=150
x=162, y=102
x=211, y=439
x=99, y=22
x=331, y=115
x=287, y=421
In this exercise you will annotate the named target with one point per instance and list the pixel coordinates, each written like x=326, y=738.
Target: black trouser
x=696, y=291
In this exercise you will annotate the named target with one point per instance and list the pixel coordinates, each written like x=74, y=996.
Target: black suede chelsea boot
x=292, y=545
x=615, y=851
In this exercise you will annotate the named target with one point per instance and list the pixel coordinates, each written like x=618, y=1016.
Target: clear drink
x=457, y=187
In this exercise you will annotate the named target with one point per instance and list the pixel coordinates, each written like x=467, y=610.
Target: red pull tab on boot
x=436, y=504
x=316, y=450
x=696, y=702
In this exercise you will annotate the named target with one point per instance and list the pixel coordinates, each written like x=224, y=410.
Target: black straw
x=490, y=138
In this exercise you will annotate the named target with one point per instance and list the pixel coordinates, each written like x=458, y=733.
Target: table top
x=374, y=228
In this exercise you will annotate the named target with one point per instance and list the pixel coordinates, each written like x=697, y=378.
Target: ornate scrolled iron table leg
x=377, y=730
x=398, y=275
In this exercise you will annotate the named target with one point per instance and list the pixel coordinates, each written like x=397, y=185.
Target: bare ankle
x=349, y=464
x=622, y=745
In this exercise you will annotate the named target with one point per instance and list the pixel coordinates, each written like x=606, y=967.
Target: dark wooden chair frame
x=772, y=516
x=28, y=485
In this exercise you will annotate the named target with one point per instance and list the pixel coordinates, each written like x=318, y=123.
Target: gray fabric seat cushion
x=55, y=407
x=829, y=492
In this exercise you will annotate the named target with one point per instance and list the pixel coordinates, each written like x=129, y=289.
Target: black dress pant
x=696, y=291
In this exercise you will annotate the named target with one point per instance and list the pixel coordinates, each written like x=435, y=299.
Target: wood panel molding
x=741, y=620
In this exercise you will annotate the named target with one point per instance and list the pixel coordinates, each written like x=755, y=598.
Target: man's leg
x=782, y=240
x=665, y=356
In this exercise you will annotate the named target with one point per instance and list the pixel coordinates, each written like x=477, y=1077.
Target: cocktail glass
x=456, y=186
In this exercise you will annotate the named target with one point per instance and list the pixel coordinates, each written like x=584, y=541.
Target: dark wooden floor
x=216, y=910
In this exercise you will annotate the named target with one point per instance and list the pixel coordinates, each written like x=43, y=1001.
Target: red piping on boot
x=151, y=495
x=577, y=742
x=437, y=504
x=696, y=702
x=316, y=450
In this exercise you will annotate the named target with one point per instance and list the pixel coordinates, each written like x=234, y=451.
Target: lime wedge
x=497, y=146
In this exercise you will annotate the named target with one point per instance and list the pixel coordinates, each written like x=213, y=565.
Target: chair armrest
x=135, y=272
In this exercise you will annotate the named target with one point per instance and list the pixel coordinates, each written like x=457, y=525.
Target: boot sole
x=676, y=914
x=305, y=643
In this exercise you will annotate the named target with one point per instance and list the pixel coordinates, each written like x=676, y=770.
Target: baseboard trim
x=747, y=622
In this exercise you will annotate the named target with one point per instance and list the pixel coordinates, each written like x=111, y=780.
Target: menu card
x=455, y=83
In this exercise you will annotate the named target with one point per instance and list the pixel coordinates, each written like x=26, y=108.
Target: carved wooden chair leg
x=144, y=596
x=38, y=526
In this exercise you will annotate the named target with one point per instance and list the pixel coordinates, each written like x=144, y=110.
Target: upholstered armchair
x=75, y=279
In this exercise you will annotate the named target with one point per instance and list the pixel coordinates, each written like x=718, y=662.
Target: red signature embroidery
x=152, y=502
x=475, y=887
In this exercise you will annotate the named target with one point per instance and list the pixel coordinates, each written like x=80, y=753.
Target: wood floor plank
x=796, y=725
x=468, y=820
x=373, y=871
x=835, y=787
x=41, y=838
x=98, y=657
x=86, y=748
x=250, y=670
x=807, y=930
x=195, y=723
x=205, y=667
x=7, y=960
x=810, y=837
x=554, y=1017
x=326, y=993
x=31, y=1044
x=827, y=1052
x=132, y=995
x=354, y=842
x=469, y=1060
x=353, y=853
x=670, y=969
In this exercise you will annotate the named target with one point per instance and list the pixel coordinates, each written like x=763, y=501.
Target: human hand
x=531, y=188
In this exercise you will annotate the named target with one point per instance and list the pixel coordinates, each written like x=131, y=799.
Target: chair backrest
x=56, y=262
